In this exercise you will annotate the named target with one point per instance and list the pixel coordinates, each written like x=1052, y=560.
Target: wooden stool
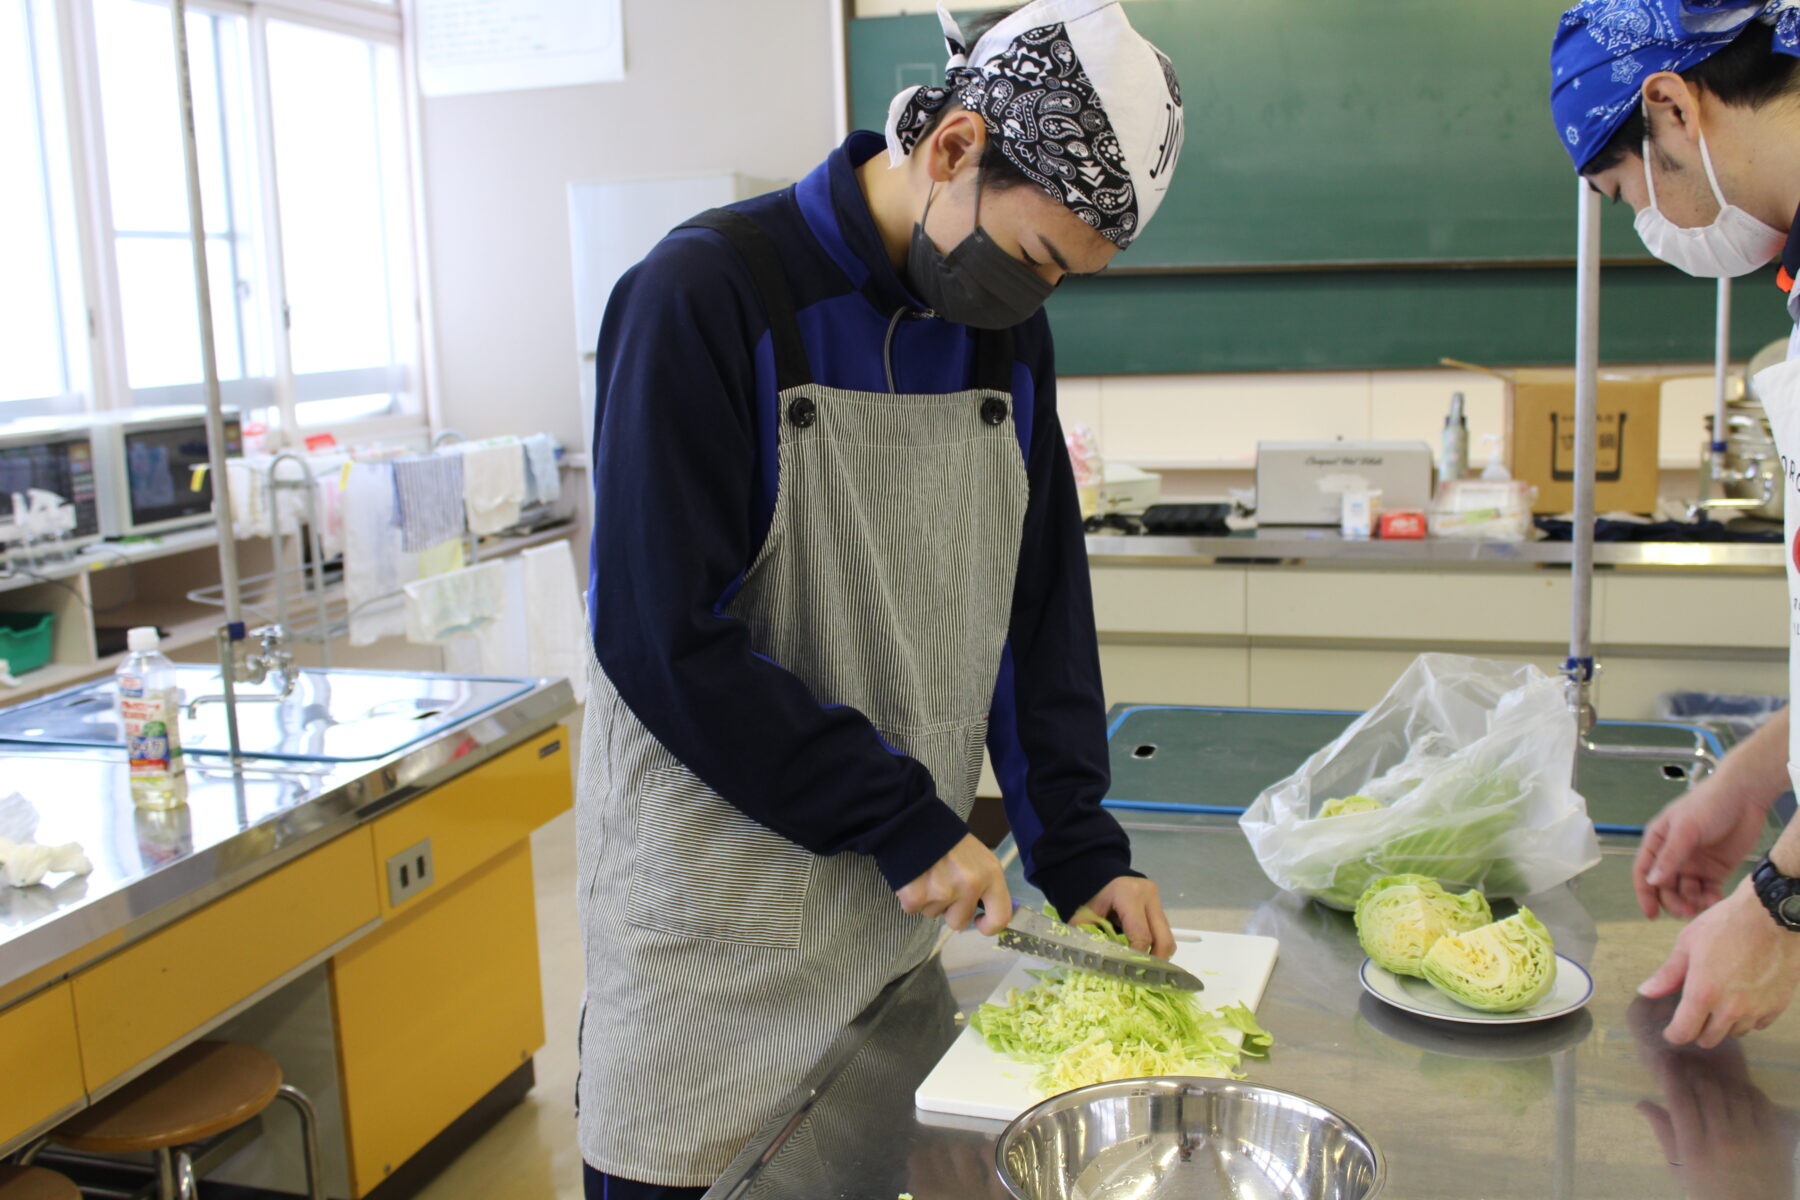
x=34, y=1183
x=205, y=1090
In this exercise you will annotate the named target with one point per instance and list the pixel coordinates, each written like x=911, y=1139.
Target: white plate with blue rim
x=1571, y=991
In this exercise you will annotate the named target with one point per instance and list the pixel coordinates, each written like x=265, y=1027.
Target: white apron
x=1779, y=387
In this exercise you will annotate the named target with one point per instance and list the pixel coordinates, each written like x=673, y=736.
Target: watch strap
x=1775, y=890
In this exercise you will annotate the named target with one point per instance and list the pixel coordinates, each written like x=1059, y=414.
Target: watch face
x=1789, y=911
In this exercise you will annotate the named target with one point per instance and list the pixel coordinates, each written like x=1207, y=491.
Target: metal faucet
x=271, y=659
x=1579, y=686
x=1748, y=474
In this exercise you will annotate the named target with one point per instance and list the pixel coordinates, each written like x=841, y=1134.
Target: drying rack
x=296, y=595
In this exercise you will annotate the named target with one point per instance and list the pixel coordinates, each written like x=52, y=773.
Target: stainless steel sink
x=331, y=716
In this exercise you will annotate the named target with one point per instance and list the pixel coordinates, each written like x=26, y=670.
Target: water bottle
x=150, y=714
x=1453, y=451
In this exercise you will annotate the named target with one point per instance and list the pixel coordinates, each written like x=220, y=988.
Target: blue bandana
x=1605, y=49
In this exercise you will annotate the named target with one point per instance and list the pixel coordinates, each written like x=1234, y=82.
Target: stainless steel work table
x=1327, y=547
x=151, y=868
x=1578, y=1107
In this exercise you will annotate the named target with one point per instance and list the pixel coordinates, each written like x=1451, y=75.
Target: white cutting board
x=974, y=1081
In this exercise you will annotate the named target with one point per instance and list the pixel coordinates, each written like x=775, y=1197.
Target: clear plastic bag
x=1471, y=760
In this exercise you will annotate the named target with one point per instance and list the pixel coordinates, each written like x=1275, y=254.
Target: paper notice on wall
x=505, y=45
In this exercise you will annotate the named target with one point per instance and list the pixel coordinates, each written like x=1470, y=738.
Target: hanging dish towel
x=375, y=564
x=558, y=629
x=245, y=481
x=505, y=644
x=329, y=472
x=429, y=490
x=493, y=484
x=545, y=482
x=449, y=606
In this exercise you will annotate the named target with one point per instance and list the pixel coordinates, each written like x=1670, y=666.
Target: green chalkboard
x=1331, y=131
x=1363, y=186
x=1354, y=320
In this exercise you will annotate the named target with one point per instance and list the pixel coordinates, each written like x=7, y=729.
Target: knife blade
x=1031, y=932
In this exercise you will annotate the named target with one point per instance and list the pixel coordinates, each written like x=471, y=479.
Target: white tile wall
x=1212, y=423
x=1215, y=421
x=1411, y=405
x=1078, y=403
x=1686, y=403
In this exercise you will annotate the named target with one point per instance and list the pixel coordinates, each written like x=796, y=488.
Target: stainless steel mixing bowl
x=1185, y=1139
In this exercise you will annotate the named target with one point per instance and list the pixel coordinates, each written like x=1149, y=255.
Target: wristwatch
x=1779, y=893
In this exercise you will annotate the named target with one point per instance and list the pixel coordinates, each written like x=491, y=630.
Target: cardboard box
x=1540, y=439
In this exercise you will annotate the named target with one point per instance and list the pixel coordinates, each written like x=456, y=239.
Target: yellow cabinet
x=41, y=1060
x=434, y=1009
x=470, y=819
x=148, y=996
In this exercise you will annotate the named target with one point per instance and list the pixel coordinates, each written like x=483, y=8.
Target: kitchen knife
x=1033, y=933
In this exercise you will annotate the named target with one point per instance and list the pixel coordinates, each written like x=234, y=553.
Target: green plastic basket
x=25, y=640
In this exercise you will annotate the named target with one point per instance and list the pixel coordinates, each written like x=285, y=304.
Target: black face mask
x=977, y=283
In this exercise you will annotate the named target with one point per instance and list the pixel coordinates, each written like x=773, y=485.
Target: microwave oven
x=146, y=469
x=55, y=457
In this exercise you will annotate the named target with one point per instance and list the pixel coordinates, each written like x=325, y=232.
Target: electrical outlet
x=410, y=872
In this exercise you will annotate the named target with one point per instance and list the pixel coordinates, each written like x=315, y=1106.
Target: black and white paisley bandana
x=1050, y=119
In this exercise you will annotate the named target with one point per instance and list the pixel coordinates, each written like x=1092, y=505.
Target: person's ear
x=1673, y=106
x=958, y=142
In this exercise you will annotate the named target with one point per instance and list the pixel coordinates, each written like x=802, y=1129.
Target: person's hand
x=968, y=876
x=1736, y=970
x=1723, y=1137
x=1134, y=906
x=1692, y=846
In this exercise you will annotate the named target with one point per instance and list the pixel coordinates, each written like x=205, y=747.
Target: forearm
x=1757, y=770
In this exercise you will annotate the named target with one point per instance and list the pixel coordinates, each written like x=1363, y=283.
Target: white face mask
x=1736, y=243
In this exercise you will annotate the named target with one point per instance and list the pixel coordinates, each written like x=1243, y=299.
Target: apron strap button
x=993, y=410
x=803, y=413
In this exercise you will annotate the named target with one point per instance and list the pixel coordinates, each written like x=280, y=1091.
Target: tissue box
x=1302, y=483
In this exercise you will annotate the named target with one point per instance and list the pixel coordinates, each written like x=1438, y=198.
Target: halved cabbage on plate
x=1400, y=917
x=1499, y=968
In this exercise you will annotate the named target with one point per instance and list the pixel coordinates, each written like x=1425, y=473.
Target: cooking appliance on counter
x=1303, y=483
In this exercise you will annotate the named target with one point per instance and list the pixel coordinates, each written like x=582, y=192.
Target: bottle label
x=150, y=741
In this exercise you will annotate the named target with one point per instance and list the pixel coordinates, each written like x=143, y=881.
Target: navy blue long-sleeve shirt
x=685, y=480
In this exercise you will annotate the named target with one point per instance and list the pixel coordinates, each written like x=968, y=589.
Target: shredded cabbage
x=1079, y=1028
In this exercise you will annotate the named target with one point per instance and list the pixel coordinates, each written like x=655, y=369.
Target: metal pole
x=232, y=632
x=209, y=360
x=1580, y=666
x=1721, y=368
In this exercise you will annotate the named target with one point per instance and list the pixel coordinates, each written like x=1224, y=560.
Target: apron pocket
x=704, y=869
x=952, y=754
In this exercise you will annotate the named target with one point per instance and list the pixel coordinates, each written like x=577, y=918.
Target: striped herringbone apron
x=723, y=959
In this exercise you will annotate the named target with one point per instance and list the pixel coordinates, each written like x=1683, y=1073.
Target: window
x=340, y=169
x=43, y=366
x=147, y=178
x=300, y=123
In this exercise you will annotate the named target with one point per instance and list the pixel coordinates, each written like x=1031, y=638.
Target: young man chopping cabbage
x=839, y=551
x=1689, y=111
